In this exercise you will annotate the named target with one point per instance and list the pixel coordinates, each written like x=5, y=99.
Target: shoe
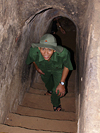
x=48, y=93
x=56, y=108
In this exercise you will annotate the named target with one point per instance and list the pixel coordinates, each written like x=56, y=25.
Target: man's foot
x=48, y=93
x=57, y=108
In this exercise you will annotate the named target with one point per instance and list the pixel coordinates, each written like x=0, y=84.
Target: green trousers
x=51, y=81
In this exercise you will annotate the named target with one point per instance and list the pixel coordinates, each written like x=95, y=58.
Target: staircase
x=36, y=115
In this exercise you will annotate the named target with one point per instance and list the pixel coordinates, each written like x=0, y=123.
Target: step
x=39, y=80
x=41, y=86
x=42, y=92
x=61, y=115
x=44, y=102
x=9, y=129
x=37, y=123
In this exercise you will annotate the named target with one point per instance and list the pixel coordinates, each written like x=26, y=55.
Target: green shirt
x=56, y=63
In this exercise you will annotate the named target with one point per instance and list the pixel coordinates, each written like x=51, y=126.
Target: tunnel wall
x=88, y=56
x=15, y=75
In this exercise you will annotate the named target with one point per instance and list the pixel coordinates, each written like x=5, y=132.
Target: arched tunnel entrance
x=21, y=29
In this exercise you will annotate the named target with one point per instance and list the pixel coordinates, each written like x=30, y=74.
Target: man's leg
x=55, y=99
x=48, y=80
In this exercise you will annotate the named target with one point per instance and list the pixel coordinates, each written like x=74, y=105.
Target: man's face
x=46, y=53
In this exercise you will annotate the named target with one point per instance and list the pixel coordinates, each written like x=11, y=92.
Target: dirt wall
x=88, y=77
x=21, y=22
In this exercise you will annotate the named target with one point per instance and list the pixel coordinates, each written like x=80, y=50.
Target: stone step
x=61, y=115
x=36, y=85
x=41, y=86
x=42, y=92
x=37, y=123
x=44, y=102
x=71, y=77
x=9, y=129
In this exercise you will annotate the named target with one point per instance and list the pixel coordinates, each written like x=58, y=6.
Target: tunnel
x=25, y=22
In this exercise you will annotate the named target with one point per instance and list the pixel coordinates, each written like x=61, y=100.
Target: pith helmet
x=48, y=41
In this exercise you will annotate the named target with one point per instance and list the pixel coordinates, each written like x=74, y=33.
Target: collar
x=40, y=57
x=54, y=57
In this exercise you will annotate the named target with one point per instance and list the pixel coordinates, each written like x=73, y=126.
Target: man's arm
x=60, y=87
x=38, y=68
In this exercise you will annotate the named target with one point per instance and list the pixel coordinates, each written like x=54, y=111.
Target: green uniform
x=52, y=69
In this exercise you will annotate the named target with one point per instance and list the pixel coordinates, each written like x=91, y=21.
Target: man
x=53, y=63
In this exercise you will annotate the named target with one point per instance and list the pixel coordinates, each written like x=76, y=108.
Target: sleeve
x=31, y=56
x=67, y=61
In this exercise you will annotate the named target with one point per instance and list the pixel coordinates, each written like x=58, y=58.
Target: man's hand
x=61, y=89
x=38, y=69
